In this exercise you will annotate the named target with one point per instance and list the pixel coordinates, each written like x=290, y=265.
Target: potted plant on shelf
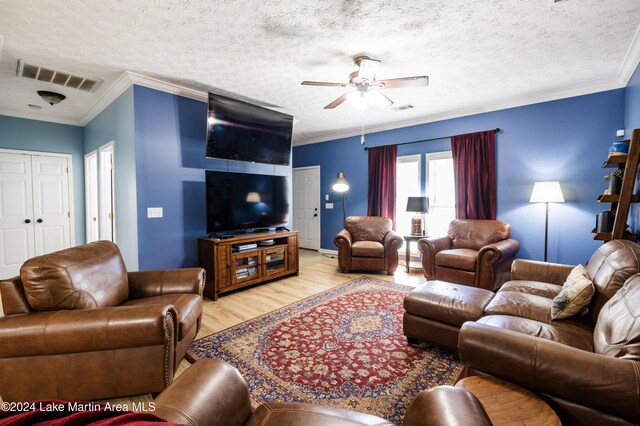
x=615, y=181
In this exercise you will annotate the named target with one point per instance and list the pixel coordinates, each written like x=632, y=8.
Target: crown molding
x=129, y=78
x=35, y=116
x=163, y=86
x=550, y=95
x=116, y=89
x=631, y=60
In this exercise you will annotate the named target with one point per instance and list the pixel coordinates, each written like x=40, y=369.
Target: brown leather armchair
x=477, y=253
x=213, y=393
x=368, y=243
x=78, y=326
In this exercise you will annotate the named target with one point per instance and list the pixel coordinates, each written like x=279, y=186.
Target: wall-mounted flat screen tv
x=242, y=201
x=238, y=130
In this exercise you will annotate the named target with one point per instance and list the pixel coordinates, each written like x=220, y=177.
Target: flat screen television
x=243, y=201
x=238, y=130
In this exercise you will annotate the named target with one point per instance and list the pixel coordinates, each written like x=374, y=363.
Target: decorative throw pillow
x=575, y=295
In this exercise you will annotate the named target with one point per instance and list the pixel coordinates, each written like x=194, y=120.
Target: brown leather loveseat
x=587, y=368
x=78, y=326
x=368, y=243
x=476, y=253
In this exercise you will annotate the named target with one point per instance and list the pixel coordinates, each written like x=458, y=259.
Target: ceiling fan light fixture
x=52, y=98
x=357, y=99
x=377, y=98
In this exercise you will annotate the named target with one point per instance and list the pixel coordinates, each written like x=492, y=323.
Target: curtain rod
x=496, y=130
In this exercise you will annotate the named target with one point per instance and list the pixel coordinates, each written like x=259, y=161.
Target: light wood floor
x=317, y=273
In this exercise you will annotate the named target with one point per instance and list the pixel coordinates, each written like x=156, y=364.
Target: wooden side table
x=407, y=240
x=506, y=403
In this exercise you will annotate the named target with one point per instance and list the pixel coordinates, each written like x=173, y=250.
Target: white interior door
x=35, y=208
x=91, y=195
x=51, y=203
x=306, y=206
x=106, y=184
x=16, y=213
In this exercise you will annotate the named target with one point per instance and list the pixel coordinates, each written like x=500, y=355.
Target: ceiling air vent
x=403, y=107
x=63, y=78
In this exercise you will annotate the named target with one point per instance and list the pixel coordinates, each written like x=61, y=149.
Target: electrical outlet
x=154, y=212
x=328, y=205
x=620, y=132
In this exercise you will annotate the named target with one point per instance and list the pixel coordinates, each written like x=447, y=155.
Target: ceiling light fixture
x=51, y=98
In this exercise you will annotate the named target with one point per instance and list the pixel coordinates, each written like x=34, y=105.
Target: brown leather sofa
x=476, y=253
x=78, y=326
x=587, y=368
x=368, y=243
x=212, y=393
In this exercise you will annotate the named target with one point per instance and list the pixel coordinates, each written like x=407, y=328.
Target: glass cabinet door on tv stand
x=275, y=260
x=245, y=266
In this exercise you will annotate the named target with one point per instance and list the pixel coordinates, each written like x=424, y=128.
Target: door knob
x=315, y=215
x=39, y=221
x=27, y=221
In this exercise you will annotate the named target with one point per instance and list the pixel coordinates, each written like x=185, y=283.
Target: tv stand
x=234, y=263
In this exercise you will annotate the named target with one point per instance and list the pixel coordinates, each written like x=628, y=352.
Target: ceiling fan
x=364, y=80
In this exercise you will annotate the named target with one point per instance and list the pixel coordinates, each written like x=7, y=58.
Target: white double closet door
x=35, y=208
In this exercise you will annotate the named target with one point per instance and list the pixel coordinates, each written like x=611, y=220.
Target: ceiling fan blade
x=368, y=68
x=323, y=83
x=394, y=83
x=378, y=99
x=337, y=102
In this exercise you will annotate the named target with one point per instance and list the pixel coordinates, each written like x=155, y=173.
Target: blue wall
x=565, y=140
x=632, y=103
x=32, y=135
x=632, y=121
x=115, y=123
x=170, y=134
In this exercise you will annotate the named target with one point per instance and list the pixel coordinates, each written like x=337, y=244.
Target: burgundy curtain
x=382, y=182
x=474, y=166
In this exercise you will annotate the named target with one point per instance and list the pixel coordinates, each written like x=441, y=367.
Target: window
x=407, y=185
x=441, y=192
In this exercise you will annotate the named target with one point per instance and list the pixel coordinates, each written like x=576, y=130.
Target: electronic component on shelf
x=248, y=246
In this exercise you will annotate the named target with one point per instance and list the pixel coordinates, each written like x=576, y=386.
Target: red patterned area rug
x=343, y=347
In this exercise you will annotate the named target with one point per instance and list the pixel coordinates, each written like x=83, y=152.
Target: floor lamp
x=341, y=185
x=546, y=192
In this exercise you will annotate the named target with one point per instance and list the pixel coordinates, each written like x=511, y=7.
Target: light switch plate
x=326, y=197
x=328, y=205
x=154, y=212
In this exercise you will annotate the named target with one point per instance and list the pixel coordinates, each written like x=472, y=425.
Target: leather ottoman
x=436, y=310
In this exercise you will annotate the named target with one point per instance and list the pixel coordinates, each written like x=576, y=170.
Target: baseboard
x=327, y=251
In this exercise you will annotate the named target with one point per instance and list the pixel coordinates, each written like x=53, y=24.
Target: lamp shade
x=418, y=204
x=341, y=184
x=547, y=192
x=253, y=197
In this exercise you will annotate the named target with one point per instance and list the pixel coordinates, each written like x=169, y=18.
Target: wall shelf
x=620, y=203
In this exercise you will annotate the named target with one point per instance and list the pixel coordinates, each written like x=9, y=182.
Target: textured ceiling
x=479, y=55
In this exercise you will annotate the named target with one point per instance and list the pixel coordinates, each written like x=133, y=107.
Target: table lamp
x=418, y=205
